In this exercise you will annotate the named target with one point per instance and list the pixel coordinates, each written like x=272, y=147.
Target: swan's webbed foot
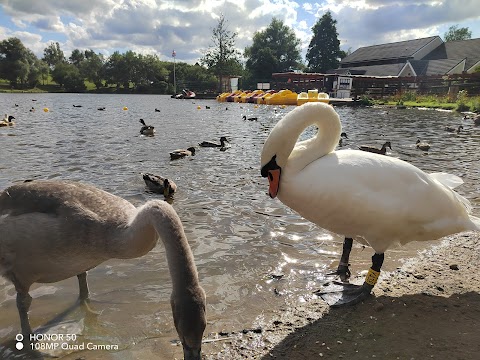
x=342, y=271
x=350, y=294
x=345, y=294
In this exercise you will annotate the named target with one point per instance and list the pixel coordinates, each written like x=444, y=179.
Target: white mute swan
x=374, y=199
x=53, y=230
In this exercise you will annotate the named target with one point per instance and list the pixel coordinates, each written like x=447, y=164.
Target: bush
x=462, y=107
x=365, y=101
x=409, y=96
x=462, y=98
x=476, y=105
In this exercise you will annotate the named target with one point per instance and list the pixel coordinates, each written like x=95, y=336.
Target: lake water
x=239, y=236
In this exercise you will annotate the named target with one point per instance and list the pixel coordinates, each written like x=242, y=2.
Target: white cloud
x=159, y=26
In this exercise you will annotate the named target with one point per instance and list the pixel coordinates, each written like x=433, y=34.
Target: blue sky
x=159, y=26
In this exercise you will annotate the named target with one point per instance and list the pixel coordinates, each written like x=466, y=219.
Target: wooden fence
x=382, y=86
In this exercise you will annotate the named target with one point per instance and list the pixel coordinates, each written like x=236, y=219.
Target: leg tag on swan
x=372, y=277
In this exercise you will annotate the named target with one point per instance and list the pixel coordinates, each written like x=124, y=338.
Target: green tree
x=222, y=58
x=76, y=58
x=53, y=55
x=43, y=70
x=68, y=76
x=455, y=33
x=114, y=69
x=275, y=49
x=17, y=63
x=92, y=68
x=38, y=69
x=324, y=50
x=153, y=71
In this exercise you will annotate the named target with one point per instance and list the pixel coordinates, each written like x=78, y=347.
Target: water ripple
x=239, y=236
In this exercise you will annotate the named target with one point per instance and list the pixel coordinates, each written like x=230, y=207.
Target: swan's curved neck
x=158, y=219
x=304, y=152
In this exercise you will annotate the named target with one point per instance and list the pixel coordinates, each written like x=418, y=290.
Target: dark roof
x=434, y=67
x=373, y=70
x=397, y=50
x=341, y=71
x=460, y=49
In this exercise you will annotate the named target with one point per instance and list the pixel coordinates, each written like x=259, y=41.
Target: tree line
x=273, y=50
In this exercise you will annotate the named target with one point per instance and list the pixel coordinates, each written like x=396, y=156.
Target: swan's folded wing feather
x=452, y=181
x=384, y=199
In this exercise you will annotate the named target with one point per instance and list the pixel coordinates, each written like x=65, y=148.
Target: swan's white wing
x=380, y=198
x=452, y=181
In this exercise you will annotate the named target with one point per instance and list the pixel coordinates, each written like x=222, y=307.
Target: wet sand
x=427, y=309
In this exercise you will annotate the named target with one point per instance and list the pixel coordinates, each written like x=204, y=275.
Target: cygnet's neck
x=159, y=217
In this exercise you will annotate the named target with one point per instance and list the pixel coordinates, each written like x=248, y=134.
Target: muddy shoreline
x=427, y=309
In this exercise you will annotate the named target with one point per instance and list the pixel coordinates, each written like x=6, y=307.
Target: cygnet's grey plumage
x=53, y=230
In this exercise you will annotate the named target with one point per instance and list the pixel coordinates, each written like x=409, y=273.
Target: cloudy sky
x=160, y=26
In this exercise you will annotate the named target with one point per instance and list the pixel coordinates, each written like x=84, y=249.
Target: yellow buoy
x=199, y=107
x=125, y=108
x=45, y=109
x=256, y=106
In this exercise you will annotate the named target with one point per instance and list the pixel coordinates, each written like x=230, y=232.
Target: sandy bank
x=427, y=309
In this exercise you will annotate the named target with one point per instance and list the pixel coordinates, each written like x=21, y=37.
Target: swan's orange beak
x=274, y=182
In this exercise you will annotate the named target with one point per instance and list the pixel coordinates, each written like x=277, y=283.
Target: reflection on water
x=252, y=252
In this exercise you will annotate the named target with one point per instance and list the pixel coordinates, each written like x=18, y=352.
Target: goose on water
x=159, y=184
x=223, y=140
x=250, y=118
x=452, y=129
x=342, y=135
x=7, y=120
x=147, y=130
x=181, y=153
x=376, y=200
x=422, y=145
x=375, y=150
x=53, y=230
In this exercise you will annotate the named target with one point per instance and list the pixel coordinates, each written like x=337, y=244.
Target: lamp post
x=174, y=79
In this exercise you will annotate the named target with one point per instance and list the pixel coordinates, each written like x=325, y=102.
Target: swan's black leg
x=373, y=272
x=83, y=285
x=350, y=294
x=342, y=270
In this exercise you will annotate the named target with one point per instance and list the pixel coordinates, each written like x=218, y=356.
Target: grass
x=52, y=87
x=461, y=102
